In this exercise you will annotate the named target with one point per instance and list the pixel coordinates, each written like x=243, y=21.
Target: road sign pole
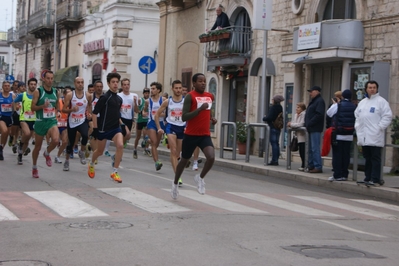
x=146, y=79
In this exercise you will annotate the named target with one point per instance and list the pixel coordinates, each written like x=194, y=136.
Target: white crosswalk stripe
x=144, y=201
x=285, y=204
x=6, y=215
x=219, y=203
x=378, y=204
x=348, y=207
x=65, y=205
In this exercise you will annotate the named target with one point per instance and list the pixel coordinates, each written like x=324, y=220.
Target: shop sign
x=96, y=46
x=309, y=36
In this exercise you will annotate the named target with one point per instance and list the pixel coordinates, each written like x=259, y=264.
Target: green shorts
x=41, y=127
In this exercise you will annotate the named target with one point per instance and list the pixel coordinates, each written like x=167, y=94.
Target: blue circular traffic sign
x=147, y=64
x=10, y=78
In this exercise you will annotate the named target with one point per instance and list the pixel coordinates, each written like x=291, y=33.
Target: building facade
x=335, y=44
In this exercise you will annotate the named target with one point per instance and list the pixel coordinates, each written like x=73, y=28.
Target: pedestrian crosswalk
x=55, y=204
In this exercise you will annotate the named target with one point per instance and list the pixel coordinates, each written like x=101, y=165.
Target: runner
x=62, y=122
x=107, y=126
x=27, y=118
x=175, y=125
x=129, y=107
x=197, y=112
x=152, y=105
x=98, y=91
x=45, y=104
x=77, y=103
x=142, y=120
x=16, y=127
x=6, y=110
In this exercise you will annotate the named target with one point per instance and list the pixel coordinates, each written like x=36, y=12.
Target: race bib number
x=29, y=115
x=77, y=118
x=175, y=115
x=49, y=112
x=126, y=108
x=6, y=107
x=62, y=122
x=202, y=100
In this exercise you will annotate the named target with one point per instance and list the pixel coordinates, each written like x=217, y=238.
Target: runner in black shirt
x=108, y=125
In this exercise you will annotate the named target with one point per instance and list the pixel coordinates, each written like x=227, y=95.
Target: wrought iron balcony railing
x=39, y=20
x=23, y=29
x=69, y=10
x=228, y=42
x=12, y=35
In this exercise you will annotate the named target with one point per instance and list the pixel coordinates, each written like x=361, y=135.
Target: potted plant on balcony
x=224, y=34
x=242, y=136
x=203, y=37
x=395, y=130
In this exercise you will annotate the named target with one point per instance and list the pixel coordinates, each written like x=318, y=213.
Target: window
x=340, y=9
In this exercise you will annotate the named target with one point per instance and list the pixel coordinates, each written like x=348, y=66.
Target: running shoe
x=35, y=173
x=75, y=149
x=107, y=154
x=57, y=160
x=125, y=145
x=87, y=152
x=200, y=184
x=158, y=165
x=174, y=192
x=71, y=156
x=195, y=166
x=14, y=149
x=143, y=143
x=82, y=157
x=66, y=166
x=1, y=153
x=135, y=154
x=10, y=141
x=115, y=176
x=20, y=159
x=199, y=160
x=48, y=159
x=180, y=182
x=90, y=170
x=148, y=152
x=27, y=151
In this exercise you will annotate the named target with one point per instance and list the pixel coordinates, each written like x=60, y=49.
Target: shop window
x=340, y=9
x=212, y=89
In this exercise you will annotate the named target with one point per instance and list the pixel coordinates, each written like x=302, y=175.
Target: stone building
x=84, y=38
x=346, y=43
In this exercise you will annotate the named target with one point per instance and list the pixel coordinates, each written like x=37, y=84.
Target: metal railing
x=69, y=10
x=266, y=138
x=40, y=19
x=233, y=124
x=12, y=35
x=23, y=29
x=289, y=131
x=238, y=44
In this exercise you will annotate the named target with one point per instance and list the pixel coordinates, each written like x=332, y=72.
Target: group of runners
x=95, y=118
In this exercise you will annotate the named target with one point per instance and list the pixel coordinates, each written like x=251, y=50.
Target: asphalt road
x=66, y=218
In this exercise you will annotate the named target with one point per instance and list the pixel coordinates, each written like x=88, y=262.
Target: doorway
x=328, y=77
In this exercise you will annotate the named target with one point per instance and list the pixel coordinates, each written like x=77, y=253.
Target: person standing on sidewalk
x=108, y=126
x=45, y=104
x=314, y=123
x=297, y=122
x=197, y=113
x=274, y=111
x=373, y=115
x=342, y=123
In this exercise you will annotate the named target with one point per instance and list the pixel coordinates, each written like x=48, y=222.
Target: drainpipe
x=26, y=49
x=66, y=48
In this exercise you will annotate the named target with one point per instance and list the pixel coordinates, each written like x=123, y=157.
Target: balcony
x=69, y=13
x=229, y=46
x=334, y=40
x=41, y=24
x=23, y=29
x=13, y=38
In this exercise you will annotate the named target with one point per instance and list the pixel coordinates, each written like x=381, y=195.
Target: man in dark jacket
x=222, y=20
x=343, y=123
x=314, y=123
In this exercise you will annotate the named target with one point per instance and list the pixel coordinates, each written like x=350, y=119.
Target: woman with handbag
x=297, y=122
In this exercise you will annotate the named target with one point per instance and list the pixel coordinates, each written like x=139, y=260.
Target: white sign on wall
x=309, y=36
x=262, y=15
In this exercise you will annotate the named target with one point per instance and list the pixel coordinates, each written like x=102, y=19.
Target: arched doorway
x=96, y=73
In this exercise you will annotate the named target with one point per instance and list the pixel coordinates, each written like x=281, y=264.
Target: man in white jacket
x=373, y=115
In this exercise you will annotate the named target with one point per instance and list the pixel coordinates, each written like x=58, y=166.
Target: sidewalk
x=389, y=191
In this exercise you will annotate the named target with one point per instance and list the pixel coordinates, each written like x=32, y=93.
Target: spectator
x=343, y=121
x=222, y=20
x=373, y=115
x=297, y=122
x=314, y=123
x=325, y=150
x=274, y=111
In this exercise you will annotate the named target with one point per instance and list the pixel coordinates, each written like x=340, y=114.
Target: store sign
x=309, y=36
x=262, y=14
x=96, y=46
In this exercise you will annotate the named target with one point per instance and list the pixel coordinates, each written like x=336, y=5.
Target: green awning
x=66, y=76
